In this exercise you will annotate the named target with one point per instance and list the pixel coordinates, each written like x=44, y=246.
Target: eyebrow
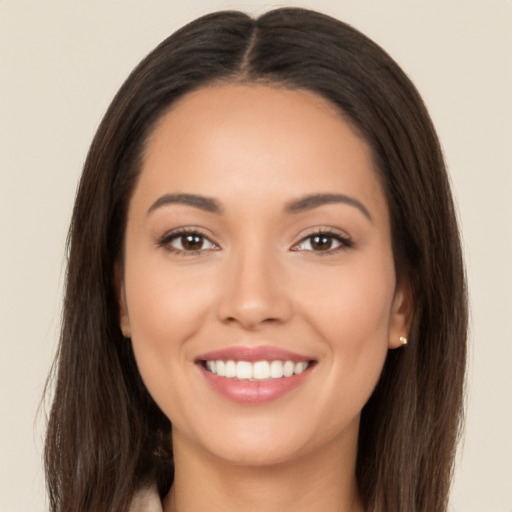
x=316, y=200
x=202, y=202
x=302, y=204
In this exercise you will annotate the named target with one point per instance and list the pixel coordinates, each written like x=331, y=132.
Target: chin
x=258, y=454
x=270, y=442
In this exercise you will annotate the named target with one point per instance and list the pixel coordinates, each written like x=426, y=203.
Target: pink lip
x=253, y=392
x=252, y=354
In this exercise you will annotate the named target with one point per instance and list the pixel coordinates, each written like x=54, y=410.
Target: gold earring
x=403, y=340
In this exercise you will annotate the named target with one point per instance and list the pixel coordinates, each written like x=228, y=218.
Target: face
x=258, y=285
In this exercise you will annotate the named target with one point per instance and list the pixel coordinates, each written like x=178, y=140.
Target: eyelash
x=168, y=238
x=344, y=241
x=165, y=242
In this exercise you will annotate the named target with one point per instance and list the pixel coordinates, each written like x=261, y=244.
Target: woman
x=263, y=254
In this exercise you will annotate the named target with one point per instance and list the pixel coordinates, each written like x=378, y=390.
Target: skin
x=258, y=280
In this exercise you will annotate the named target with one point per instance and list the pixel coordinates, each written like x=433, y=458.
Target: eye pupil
x=192, y=242
x=321, y=242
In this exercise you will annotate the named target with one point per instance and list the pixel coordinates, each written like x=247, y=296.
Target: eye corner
x=172, y=241
x=341, y=240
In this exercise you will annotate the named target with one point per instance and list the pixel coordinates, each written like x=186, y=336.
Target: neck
x=323, y=481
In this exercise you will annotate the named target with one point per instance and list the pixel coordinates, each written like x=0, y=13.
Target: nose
x=254, y=292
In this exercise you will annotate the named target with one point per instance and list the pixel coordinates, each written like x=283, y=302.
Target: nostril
x=251, y=320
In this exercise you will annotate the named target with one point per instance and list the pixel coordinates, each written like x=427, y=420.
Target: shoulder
x=146, y=500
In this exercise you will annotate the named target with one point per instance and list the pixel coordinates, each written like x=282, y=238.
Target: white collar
x=146, y=500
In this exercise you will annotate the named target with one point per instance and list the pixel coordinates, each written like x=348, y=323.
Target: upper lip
x=252, y=354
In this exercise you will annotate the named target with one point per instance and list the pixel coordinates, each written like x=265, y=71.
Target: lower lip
x=254, y=392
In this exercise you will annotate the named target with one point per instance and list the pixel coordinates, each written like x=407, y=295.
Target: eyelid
x=343, y=238
x=165, y=240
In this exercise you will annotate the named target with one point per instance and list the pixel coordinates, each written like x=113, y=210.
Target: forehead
x=270, y=113
x=258, y=141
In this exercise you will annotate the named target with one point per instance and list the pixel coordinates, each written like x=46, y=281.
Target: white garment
x=146, y=500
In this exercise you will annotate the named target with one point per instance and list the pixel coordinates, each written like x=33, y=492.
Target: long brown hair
x=106, y=437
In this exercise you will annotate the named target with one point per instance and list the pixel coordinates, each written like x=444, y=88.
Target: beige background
x=60, y=64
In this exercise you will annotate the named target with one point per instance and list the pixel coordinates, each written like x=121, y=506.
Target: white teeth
x=300, y=367
x=221, y=368
x=276, y=369
x=230, y=369
x=260, y=370
x=288, y=368
x=243, y=370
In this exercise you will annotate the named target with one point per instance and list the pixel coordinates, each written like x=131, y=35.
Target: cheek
x=163, y=302
x=351, y=312
x=166, y=307
x=351, y=317
x=352, y=305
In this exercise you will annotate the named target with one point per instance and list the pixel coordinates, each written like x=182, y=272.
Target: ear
x=401, y=314
x=124, y=319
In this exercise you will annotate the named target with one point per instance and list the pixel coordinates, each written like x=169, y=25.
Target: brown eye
x=323, y=242
x=191, y=242
x=187, y=241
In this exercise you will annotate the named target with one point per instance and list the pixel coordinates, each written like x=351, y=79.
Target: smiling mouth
x=255, y=371
x=255, y=375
